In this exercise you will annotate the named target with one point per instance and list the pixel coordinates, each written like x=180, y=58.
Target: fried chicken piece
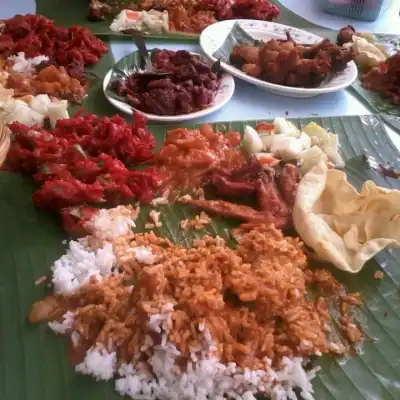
x=269, y=198
x=284, y=62
x=51, y=80
x=227, y=187
x=330, y=52
x=21, y=83
x=277, y=65
x=345, y=35
x=310, y=73
x=56, y=82
x=48, y=309
x=240, y=183
x=247, y=54
x=273, y=209
x=275, y=191
x=226, y=208
x=253, y=70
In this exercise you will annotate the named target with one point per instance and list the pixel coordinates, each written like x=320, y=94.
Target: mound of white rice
x=109, y=224
x=98, y=363
x=204, y=378
x=79, y=264
x=144, y=255
x=26, y=65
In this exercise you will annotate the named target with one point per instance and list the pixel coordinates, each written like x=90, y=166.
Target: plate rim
x=122, y=106
x=353, y=70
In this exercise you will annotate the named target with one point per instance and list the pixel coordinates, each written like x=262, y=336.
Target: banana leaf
x=33, y=361
x=73, y=12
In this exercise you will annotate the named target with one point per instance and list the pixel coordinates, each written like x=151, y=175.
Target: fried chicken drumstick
x=275, y=191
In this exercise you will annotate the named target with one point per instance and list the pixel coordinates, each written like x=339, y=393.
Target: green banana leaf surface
x=33, y=361
x=378, y=103
x=73, y=12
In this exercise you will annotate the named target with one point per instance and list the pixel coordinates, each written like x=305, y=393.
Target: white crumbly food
x=66, y=325
x=26, y=65
x=159, y=201
x=75, y=338
x=98, y=363
x=163, y=200
x=144, y=255
x=79, y=264
x=109, y=224
x=155, y=217
x=205, y=376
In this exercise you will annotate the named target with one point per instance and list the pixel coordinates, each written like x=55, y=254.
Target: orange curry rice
x=189, y=154
x=204, y=322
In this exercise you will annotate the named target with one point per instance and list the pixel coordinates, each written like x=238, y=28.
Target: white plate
x=212, y=38
x=224, y=94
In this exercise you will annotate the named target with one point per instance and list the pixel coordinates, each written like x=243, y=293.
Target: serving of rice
x=204, y=322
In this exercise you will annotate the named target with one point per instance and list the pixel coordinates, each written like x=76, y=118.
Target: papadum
x=343, y=226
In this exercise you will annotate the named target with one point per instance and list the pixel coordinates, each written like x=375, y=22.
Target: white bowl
x=212, y=38
x=223, y=95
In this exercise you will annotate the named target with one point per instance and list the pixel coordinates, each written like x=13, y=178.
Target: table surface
x=387, y=22
x=250, y=102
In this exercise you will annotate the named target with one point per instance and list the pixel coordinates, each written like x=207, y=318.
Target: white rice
x=66, y=325
x=205, y=377
x=75, y=338
x=144, y=255
x=163, y=200
x=79, y=264
x=110, y=224
x=155, y=217
x=26, y=65
x=98, y=363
